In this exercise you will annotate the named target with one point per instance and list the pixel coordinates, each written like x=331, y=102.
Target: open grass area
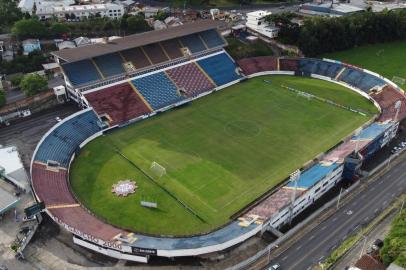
x=220, y=153
x=387, y=59
x=239, y=50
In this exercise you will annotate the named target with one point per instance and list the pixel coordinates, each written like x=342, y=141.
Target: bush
x=33, y=84
x=58, y=29
x=2, y=98
x=29, y=28
x=16, y=80
x=394, y=249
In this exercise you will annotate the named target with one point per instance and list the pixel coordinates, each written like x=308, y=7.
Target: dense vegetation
x=94, y=26
x=2, y=98
x=239, y=50
x=23, y=63
x=394, y=249
x=324, y=34
x=32, y=84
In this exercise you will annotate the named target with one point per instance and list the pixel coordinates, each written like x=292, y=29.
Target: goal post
x=157, y=169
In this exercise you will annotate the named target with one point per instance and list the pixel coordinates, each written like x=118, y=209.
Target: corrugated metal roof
x=137, y=40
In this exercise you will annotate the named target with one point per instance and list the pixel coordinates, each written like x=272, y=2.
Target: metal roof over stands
x=372, y=131
x=137, y=40
x=313, y=175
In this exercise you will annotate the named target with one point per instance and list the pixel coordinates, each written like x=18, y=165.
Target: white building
x=110, y=10
x=256, y=22
x=42, y=5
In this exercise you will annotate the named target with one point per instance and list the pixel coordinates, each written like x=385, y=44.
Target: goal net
x=157, y=169
x=398, y=80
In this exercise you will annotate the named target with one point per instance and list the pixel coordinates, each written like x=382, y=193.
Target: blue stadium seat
x=158, y=90
x=81, y=72
x=360, y=79
x=212, y=38
x=324, y=68
x=193, y=42
x=63, y=141
x=110, y=64
x=220, y=68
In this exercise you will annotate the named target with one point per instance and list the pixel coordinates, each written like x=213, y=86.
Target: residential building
x=110, y=10
x=30, y=45
x=256, y=22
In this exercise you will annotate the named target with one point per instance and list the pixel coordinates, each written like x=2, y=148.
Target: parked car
x=276, y=266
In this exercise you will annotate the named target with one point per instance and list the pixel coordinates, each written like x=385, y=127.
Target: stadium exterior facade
x=204, y=57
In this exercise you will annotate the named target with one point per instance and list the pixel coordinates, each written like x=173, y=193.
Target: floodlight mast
x=293, y=178
x=398, y=104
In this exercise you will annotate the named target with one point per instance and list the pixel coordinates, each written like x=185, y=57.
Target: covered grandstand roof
x=137, y=40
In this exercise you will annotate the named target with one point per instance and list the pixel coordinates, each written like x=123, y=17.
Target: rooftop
x=137, y=40
x=7, y=201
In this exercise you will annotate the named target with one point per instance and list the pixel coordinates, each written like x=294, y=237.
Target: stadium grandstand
x=136, y=76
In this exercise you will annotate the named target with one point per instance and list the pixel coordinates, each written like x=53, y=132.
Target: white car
x=276, y=266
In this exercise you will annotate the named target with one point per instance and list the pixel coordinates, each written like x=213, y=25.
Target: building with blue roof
x=313, y=175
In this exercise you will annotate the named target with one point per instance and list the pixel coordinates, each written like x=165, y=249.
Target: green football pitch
x=220, y=153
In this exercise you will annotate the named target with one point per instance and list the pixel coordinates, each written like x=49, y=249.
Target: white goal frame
x=157, y=169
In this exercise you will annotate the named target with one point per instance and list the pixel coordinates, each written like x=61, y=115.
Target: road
x=318, y=244
x=26, y=133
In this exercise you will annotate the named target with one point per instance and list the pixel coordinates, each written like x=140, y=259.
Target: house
x=256, y=21
x=30, y=45
x=66, y=44
x=82, y=41
x=159, y=25
x=367, y=262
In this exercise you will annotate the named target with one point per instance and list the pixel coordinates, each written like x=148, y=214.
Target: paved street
x=360, y=210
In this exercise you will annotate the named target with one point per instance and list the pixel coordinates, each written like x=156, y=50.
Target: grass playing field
x=387, y=59
x=221, y=152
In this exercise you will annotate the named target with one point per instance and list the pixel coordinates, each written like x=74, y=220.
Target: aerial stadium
x=179, y=150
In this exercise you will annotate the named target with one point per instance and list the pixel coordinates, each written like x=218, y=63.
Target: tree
x=2, y=98
x=29, y=28
x=137, y=24
x=59, y=29
x=32, y=84
x=161, y=15
x=9, y=12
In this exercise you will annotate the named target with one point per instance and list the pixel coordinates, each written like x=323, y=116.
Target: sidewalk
x=379, y=232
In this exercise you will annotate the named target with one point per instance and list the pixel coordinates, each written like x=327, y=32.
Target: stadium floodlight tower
x=294, y=177
x=356, y=133
x=398, y=104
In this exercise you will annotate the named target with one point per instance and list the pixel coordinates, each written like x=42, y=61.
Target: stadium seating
x=288, y=64
x=258, y=64
x=119, y=102
x=220, y=68
x=212, y=38
x=314, y=66
x=193, y=42
x=387, y=98
x=190, y=79
x=110, y=64
x=63, y=141
x=81, y=72
x=172, y=48
x=158, y=90
x=80, y=219
x=51, y=185
x=360, y=79
x=137, y=57
x=155, y=53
